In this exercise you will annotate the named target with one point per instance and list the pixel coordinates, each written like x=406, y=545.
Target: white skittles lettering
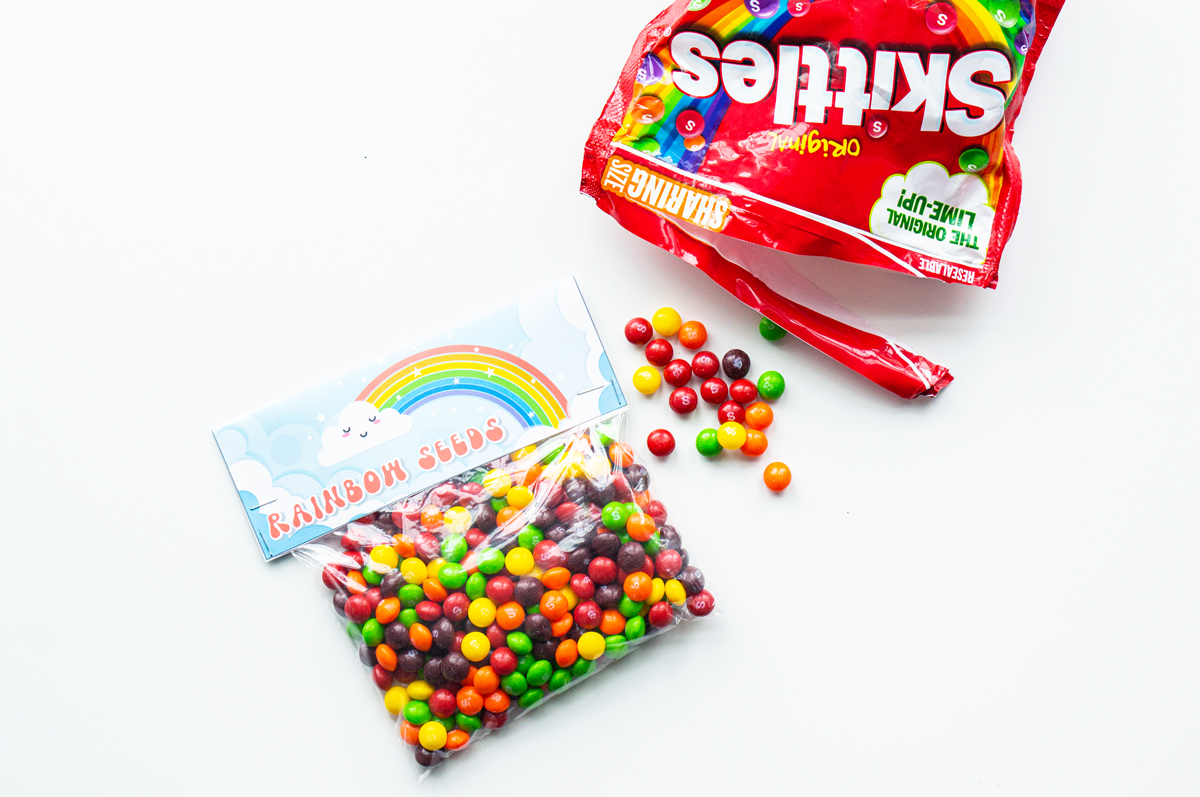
x=749, y=72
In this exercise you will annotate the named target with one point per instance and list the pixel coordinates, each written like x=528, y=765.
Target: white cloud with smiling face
x=360, y=428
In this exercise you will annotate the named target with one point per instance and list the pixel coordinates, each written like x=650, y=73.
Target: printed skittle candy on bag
x=873, y=131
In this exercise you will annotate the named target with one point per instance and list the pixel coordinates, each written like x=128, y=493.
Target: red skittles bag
x=873, y=131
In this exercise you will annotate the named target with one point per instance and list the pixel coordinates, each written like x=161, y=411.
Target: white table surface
x=205, y=207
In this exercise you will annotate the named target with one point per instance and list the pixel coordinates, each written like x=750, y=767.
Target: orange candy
x=486, y=681
x=692, y=335
x=638, y=586
x=411, y=734
x=496, y=702
x=471, y=673
x=640, y=527
x=405, y=546
x=556, y=578
x=506, y=514
x=470, y=702
x=756, y=443
x=431, y=517
x=612, y=622
x=419, y=637
x=777, y=476
x=387, y=610
x=434, y=590
x=562, y=625
x=509, y=616
x=758, y=416
x=532, y=475
x=567, y=653
x=621, y=455
x=457, y=739
x=553, y=605
x=386, y=657
x=642, y=499
x=355, y=583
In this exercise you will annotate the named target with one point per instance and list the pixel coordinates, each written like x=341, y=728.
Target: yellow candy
x=420, y=690
x=666, y=321
x=572, y=598
x=591, y=646
x=433, y=567
x=521, y=453
x=497, y=482
x=646, y=380
x=731, y=435
x=385, y=555
x=475, y=647
x=481, y=612
x=657, y=590
x=597, y=467
x=395, y=699
x=520, y=497
x=457, y=520
x=675, y=592
x=414, y=571
x=519, y=561
x=433, y=735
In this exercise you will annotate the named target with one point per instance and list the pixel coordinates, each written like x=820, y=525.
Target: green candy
x=452, y=575
x=355, y=631
x=499, y=503
x=491, y=560
x=454, y=548
x=605, y=440
x=973, y=159
x=519, y=643
x=410, y=595
x=530, y=698
x=631, y=509
x=1005, y=12
x=371, y=577
x=623, y=536
x=635, y=627
x=652, y=546
x=646, y=145
x=546, y=460
x=446, y=722
x=523, y=665
x=614, y=515
x=615, y=646
x=581, y=667
x=529, y=537
x=539, y=673
x=770, y=330
x=629, y=608
x=372, y=632
x=476, y=586
x=770, y=385
x=560, y=679
x=514, y=683
x=707, y=443
x=477, y=476
x=407, y=617
x=417, y=712
x=467, y=723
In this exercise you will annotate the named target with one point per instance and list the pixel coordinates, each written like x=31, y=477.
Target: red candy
x=358, y=609
x=374, y=595
x=677, y=373
x=660, y=614
x=455, y=606
x=668, y=563
x=475, y=538
x=705, y=364
x=701, y=603
x=638, y=331
x=547, y=554
x=660, y=442
x=428, y=611
x=683, y=400
x=714, y=390
x=601, y=570
x=503, y=661
x=500, y=589
x=565, y=511
x=443, y=703
x=587, y=615
x=333, y=575
x=743, y=391
x=659, y=351
x=582, y=586
x=731, y=411
x=382, y=678
x=497, y=636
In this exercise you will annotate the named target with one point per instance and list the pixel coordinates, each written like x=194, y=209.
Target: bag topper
x=875, y=131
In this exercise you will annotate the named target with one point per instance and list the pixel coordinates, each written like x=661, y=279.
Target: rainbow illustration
x=491, y=374
x=730, y=19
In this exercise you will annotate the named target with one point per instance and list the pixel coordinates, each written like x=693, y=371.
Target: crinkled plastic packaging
x=474, y=601
x=873, y=131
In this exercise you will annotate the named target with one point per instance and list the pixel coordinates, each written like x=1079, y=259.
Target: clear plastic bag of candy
x=472, y=602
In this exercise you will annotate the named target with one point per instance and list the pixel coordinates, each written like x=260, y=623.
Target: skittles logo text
x=749, y=73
